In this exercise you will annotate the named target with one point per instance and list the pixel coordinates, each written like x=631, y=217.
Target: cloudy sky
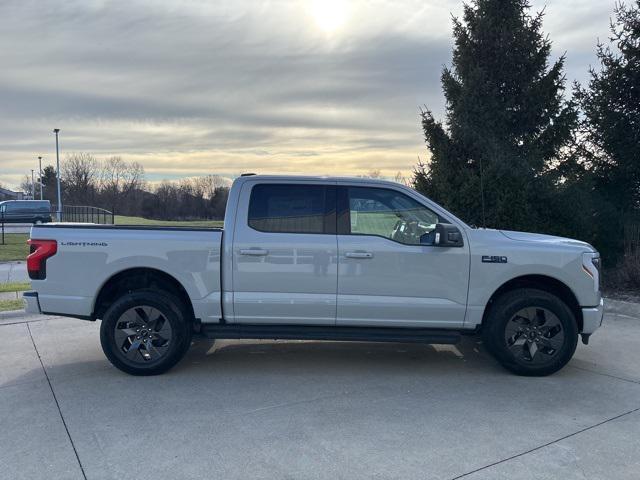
x=192, y=87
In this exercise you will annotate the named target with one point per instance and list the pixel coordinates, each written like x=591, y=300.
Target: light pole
x=40, y=182
x=33, y=187
x=56, y=131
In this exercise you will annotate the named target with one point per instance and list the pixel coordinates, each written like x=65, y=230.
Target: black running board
x=313, y=332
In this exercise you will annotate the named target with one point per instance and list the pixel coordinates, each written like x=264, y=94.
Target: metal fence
x=70, y=213
x=85, y=214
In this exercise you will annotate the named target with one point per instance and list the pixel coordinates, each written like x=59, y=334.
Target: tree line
x=120, y=186
x=519, y=149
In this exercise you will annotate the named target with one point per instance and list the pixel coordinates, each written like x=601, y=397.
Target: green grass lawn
x=6, y=305
x=14, y=287
x=124, y=220
x=15, y=247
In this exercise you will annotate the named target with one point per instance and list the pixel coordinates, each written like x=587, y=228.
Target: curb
x=12, y=314
x=621, y=307
x=11, y=295
x=20, y=316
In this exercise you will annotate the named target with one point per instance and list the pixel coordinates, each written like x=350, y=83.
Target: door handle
x=256, y=252
x=358, y=255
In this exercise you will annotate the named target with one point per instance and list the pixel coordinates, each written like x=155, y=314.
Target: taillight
x=40, y=250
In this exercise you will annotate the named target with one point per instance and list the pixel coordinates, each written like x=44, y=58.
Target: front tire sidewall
x=506, y=307
x=181, y=333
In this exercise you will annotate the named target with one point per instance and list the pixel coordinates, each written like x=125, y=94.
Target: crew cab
x=324, y=259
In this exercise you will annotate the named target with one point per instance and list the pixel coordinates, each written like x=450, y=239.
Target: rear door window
x=292, y=208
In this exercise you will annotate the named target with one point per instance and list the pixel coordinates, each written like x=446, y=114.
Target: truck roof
x=288, y=178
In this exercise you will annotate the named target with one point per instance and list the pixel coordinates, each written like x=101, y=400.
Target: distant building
x=10, y=195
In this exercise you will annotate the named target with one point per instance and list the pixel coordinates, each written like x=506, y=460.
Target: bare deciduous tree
x=79, y=174
x=119, y=181
x=26, y=186
x=119, y=186
x=400, y=178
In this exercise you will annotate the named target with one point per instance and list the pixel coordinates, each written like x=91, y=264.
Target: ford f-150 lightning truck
x=319, y=258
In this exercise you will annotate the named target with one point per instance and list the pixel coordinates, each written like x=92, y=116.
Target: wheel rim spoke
x=143, y=314
x=123, y=335
x=550, y=344
x=153, y=324
x=521, y=320
x=155, y=351
x=130, y=316
x=134, y=350
x=162, y=327
x=553, y=337
x=517, y=346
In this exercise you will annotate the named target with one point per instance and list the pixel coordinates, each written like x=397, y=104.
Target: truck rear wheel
x=145, y=333
x=531, y=332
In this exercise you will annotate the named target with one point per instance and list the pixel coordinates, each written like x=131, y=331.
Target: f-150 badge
x=493, y=259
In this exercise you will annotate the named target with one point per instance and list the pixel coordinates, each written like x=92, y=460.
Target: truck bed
x=88, y=256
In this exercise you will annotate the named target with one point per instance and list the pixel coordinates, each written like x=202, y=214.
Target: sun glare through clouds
x=329, y=15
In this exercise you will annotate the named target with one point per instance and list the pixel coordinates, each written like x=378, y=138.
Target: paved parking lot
x=314, y=410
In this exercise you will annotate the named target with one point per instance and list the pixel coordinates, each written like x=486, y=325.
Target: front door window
x=389, y=214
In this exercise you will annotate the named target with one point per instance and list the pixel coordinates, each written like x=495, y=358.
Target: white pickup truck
x=323, y=259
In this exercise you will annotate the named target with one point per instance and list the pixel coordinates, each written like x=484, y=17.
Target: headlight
x=591, y=266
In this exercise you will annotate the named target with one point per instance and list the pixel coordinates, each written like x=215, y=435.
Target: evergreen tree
x=506, y=120
x=611, y=105
x=49, y=179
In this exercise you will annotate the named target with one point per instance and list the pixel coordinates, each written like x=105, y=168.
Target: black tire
x=125, y=323
x=510, y=339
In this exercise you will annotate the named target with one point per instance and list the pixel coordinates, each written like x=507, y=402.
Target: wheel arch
x=135, y=279
x=541, y=282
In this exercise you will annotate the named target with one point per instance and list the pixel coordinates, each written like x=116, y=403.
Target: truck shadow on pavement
x=329, y=356
x=208, y=361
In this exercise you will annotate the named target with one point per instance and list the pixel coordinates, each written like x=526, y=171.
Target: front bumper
x=32, y=305
x=592, y=318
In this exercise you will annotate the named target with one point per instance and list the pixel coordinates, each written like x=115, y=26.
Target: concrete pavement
x=314, y=410
x=13, y=272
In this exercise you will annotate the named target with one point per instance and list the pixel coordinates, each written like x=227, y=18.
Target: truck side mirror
x=444, y=235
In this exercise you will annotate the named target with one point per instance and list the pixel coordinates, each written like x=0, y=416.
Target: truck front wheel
x=145, y=333
x=530, y=332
